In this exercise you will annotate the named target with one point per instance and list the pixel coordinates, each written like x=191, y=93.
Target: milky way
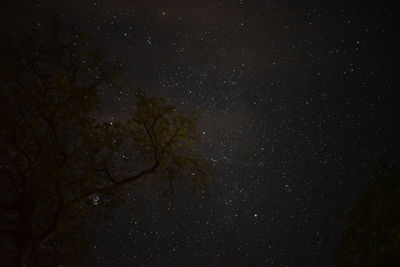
x=294, y=100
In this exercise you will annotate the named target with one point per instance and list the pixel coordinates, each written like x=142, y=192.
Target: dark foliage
x=372, y=237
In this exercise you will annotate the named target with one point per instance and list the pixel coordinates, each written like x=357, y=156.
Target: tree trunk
x=24, y=230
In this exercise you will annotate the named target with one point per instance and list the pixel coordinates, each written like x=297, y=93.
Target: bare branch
x=109, y=189
x=56, y=219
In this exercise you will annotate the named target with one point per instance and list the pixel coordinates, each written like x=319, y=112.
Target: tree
x=58, y=162
x=372, y=236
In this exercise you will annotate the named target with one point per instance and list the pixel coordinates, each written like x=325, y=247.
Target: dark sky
x=295, y=99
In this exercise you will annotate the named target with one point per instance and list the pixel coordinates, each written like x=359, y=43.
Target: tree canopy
x=58, y=161
x=372, y=236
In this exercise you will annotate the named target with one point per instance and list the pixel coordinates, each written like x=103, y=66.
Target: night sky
x=294, y=99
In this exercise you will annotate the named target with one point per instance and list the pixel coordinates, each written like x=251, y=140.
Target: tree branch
x=56, y=219
x=109, y=189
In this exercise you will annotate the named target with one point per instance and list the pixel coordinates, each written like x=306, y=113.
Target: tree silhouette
x=372, y=236
x=58, y=163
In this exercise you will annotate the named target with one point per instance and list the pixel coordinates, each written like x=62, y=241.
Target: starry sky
x=294, y=99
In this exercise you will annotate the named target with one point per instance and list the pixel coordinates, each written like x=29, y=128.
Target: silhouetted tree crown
x=372, y=236
x=58, y=162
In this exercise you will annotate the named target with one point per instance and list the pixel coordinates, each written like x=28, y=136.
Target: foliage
x=58, y=163
x=372, y=237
